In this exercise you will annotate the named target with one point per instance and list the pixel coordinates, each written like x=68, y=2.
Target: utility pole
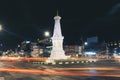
x=107, y=50
x=82, y=45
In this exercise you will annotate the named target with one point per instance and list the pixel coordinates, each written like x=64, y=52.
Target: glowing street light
x=47, y=34
x=86, y=43
x=0, y=27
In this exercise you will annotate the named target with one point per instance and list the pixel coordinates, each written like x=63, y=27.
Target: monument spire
x=57, y=26
x=57, y=13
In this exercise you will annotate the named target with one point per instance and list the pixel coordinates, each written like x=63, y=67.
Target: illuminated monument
x=57, y=51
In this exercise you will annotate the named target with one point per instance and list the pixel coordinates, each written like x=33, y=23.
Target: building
x=26, y=47
x=94, y=46
x=92, y=40
x=72, y=50
x=113, y=46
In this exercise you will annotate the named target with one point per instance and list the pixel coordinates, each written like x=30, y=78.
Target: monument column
x=57, y=51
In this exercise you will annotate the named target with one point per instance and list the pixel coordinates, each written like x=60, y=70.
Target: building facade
x=73, y=50
x=113, y=46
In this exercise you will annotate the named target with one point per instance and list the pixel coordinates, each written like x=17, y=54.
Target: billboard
x=92, y=39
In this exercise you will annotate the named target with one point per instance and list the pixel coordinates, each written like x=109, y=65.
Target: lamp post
x=82, y=47
x=0, y=30
x=85, y=44
x=47, y=35
x=107, y=51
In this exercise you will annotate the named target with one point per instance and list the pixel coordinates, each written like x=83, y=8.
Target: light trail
x=88, y=68
x=21, y=59
x=60, y=72
x=42, y=59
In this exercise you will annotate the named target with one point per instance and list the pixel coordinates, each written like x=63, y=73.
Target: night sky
x=28, y=19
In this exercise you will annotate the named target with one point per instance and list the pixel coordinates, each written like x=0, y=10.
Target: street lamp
x=0, y=27
x=84, y=46
x=85, y=43
x=47, y=34
x=45, y=41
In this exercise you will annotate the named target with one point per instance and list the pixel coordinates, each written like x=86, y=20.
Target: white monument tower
x=57, y=51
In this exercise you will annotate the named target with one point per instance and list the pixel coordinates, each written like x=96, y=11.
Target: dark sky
x=28, y=19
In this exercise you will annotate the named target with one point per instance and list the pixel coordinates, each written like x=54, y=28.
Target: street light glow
x=47, y=34
x=86, y=43
x=0, y=27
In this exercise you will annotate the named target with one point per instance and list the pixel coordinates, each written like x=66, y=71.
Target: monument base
x=57, y=55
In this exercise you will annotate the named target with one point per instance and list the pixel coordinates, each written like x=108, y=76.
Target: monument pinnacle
x=57, y=13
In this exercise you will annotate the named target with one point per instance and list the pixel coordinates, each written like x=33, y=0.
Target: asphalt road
x=100, y=70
